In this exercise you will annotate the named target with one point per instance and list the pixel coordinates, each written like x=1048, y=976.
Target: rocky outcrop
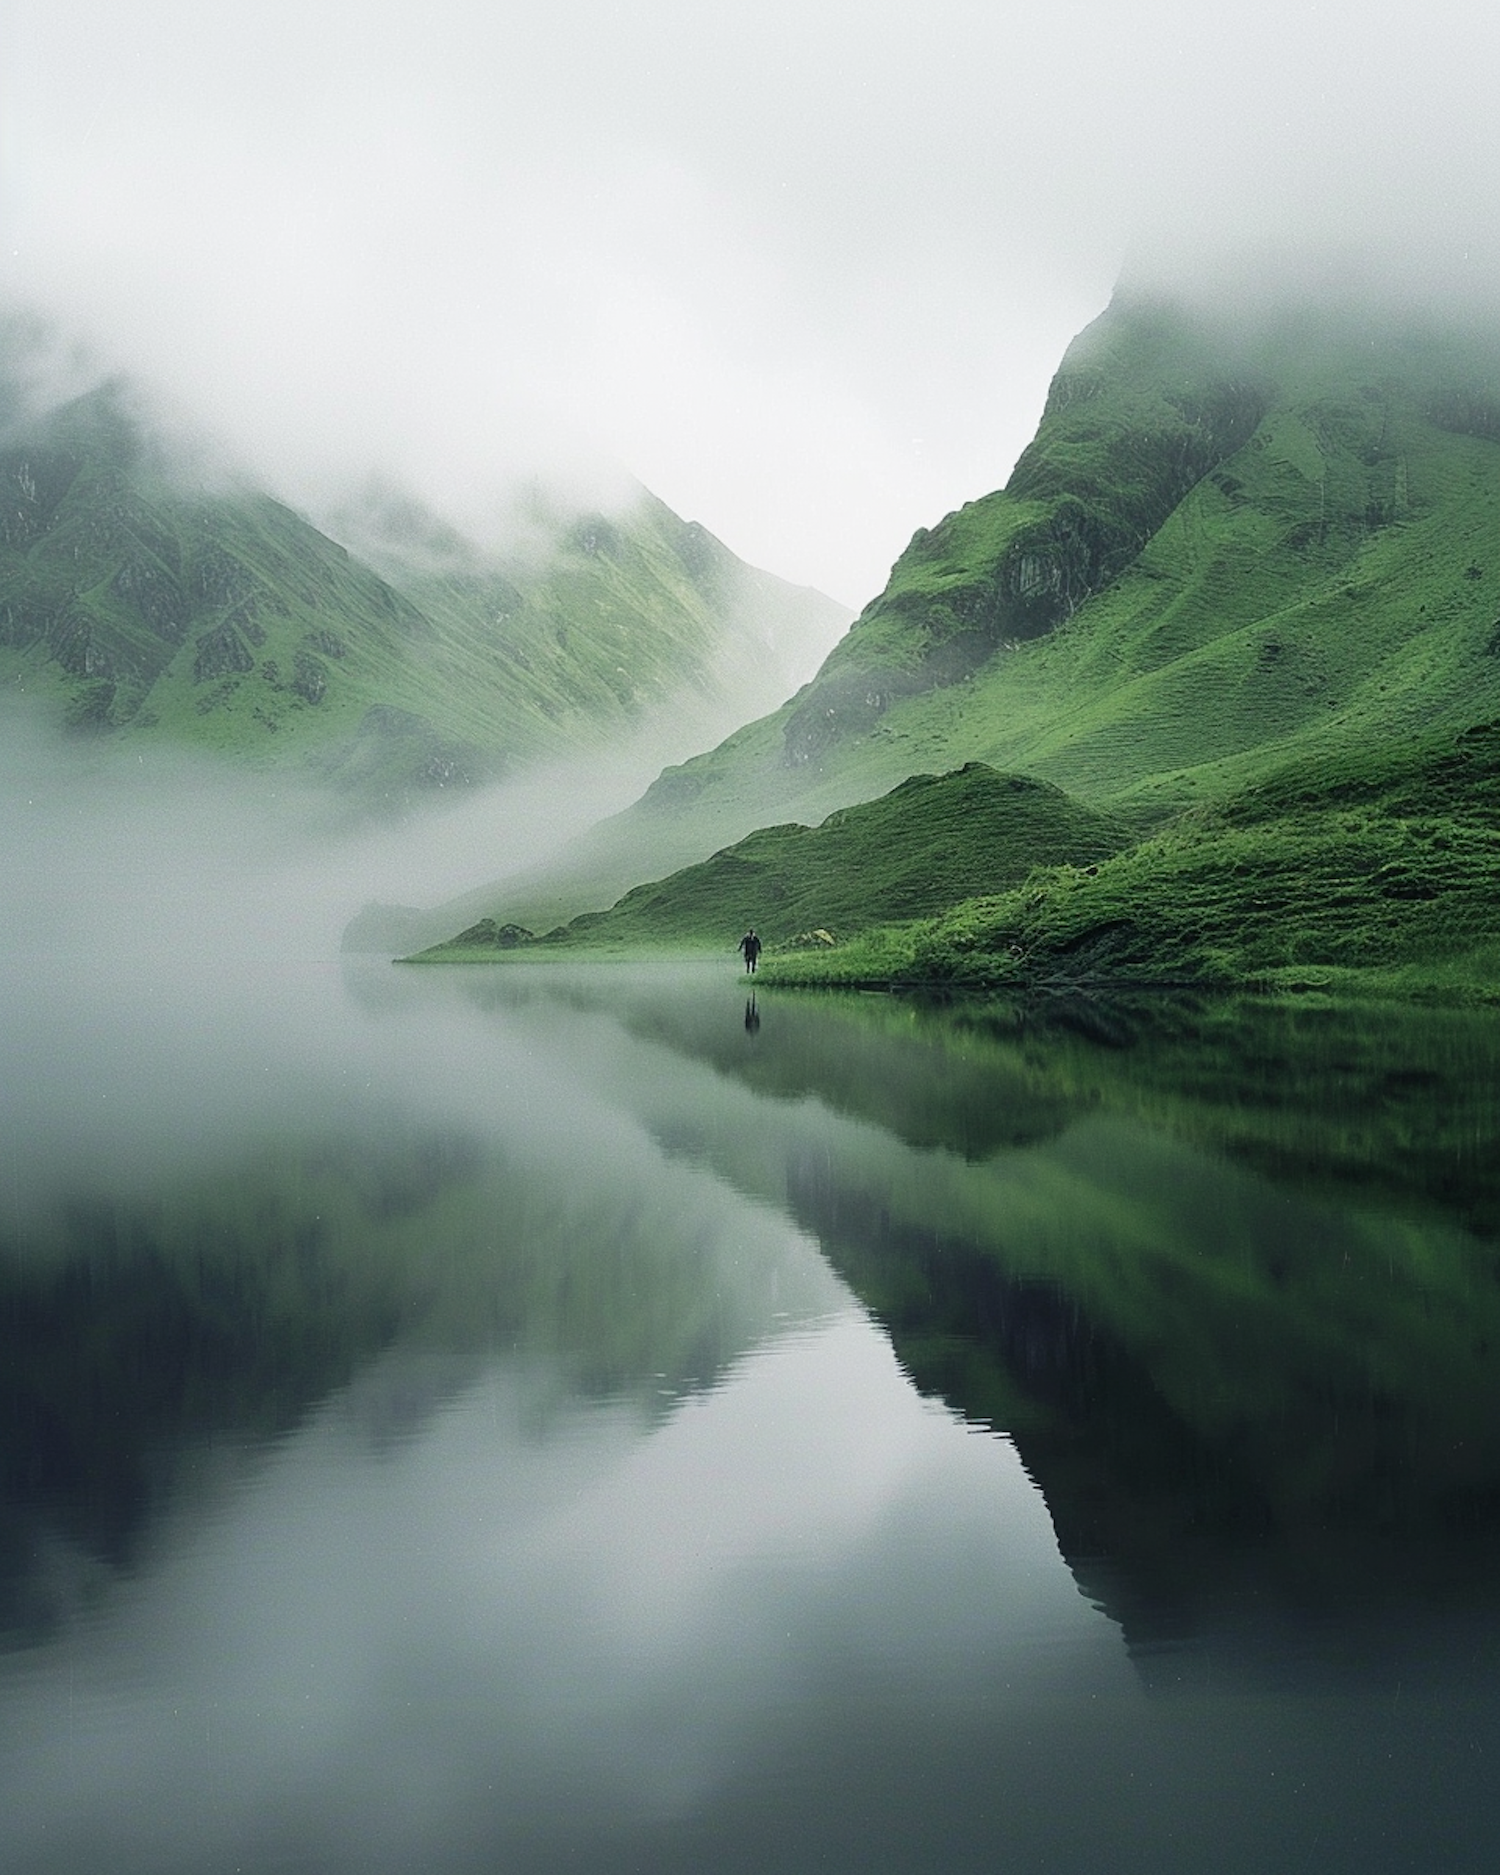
x=488, y=935
x=1105, y=471
x=226, y=650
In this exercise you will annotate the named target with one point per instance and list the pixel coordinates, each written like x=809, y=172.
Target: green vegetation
x=930, y=841
x=1329, y=579
x=1144, y=407
x=1371, y=862
x=139, y=602
x=1232, y=547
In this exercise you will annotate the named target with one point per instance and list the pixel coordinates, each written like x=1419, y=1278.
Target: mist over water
x=617, y=1419
x=109, y=854
x=541, y=1416
x=555, y=1500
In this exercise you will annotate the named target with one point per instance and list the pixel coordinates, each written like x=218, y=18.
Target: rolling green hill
x=138, y=601
x=1233, y=545
x=932, y=840
x=1381, y=862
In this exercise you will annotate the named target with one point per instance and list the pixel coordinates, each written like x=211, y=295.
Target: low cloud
x=803, y=271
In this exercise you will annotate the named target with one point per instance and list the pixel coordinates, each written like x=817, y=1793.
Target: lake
x=593, y=1419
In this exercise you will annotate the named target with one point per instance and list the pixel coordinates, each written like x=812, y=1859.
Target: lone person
x=750, y=945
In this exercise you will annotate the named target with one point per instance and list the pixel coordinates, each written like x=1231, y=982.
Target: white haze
x=804, y=269
x=126, y=855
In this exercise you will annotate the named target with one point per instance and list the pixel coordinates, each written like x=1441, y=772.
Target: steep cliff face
x=1143, y=407
x=1236, y=542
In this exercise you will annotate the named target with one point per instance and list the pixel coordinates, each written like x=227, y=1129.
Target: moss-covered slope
x=1380, y=861
x=1225, y=545
x=932, y=840
x=1230, y=546
x=138, y=600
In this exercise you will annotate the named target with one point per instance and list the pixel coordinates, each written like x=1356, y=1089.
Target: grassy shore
x=1371, y=872
x=1375, y=872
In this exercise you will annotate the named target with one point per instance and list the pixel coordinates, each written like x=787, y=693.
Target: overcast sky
x=805, y=270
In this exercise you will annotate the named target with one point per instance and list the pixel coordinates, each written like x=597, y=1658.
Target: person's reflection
x=752, y=1015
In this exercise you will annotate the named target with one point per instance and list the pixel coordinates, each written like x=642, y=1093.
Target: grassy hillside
x=932, y=840
x=1230, y=547
x=137, y=601
x=1381, y=860
x=1330, y=576
x=600, y=617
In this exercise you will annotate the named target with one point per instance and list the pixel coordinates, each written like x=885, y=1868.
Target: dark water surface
x=530, y=1419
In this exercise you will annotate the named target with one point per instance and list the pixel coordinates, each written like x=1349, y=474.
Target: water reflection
x=1227, y=1275
x=158, y=1299
x=467, y=1419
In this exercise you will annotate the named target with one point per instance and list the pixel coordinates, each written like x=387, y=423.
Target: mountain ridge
x=142, y=601
x=1329, y=577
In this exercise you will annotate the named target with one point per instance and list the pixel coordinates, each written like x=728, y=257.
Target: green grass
x=138, y=604
x=930, y=841
x=1333, y=578
x=1366, y=863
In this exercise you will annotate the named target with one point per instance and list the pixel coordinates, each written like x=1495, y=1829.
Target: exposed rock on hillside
x=136, y=599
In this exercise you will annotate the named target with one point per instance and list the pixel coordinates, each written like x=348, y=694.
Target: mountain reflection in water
x=572, y=1418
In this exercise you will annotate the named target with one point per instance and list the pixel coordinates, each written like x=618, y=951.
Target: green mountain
x=1225, y=547
x=933, y=840
x=138, y=600
x=1234, y=544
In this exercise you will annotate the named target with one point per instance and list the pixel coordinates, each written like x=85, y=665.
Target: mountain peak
x=142, y=598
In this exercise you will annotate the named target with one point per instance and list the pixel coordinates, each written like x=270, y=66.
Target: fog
x=124, y=855
x=803, y=270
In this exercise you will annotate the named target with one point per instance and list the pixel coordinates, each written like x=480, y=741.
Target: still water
x=546, y=1419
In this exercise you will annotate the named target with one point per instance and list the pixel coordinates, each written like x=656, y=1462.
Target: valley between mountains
x=382, y=657
x=1209, y=693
